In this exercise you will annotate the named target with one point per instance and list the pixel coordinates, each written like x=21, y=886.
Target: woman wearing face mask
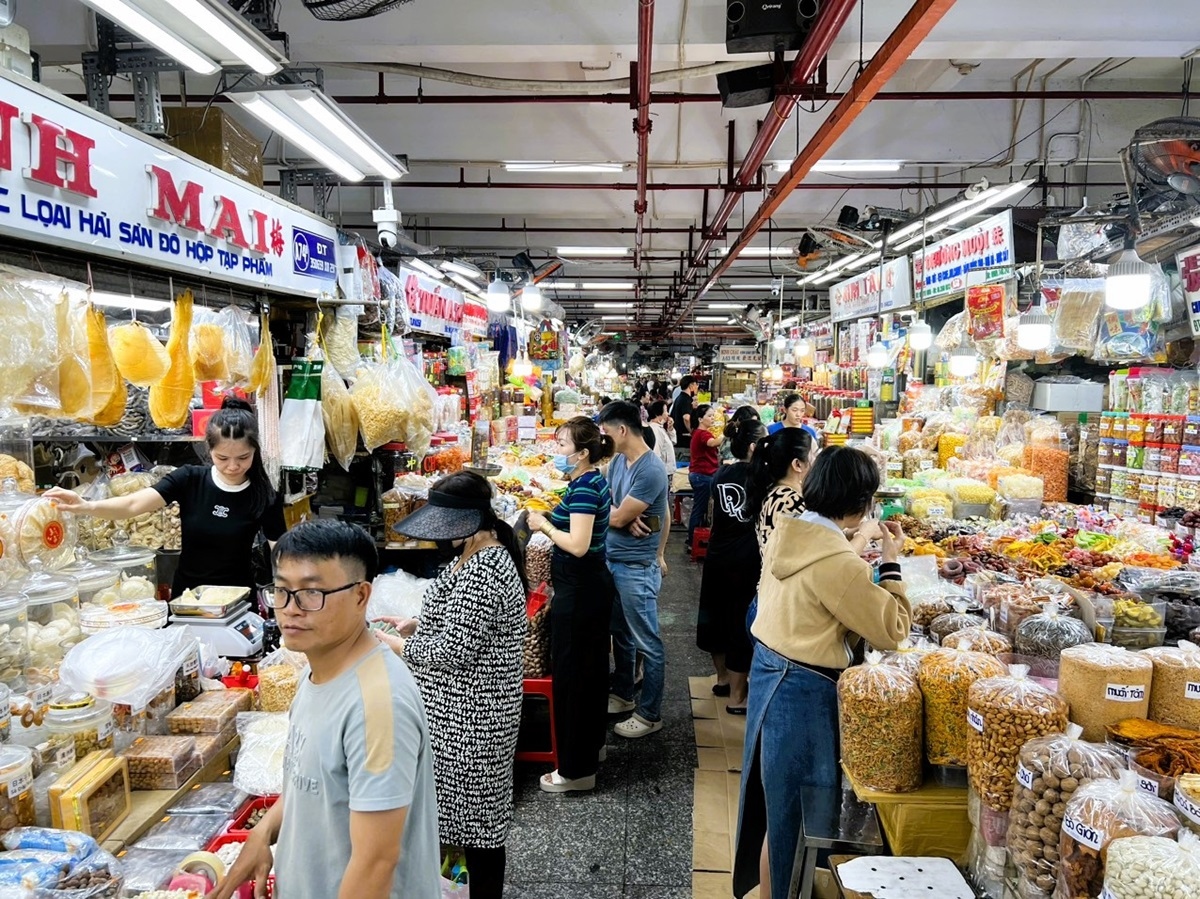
x=465, y=653
x=582, y=607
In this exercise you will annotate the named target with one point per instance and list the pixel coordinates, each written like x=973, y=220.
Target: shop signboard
x=1189, y=271
x=433, y=307
x=739, y=356
x=940, y=270
x=886, y=288
x=475, y=318
x=75, y=179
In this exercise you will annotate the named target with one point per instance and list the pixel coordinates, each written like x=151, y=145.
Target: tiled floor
x=632, y=837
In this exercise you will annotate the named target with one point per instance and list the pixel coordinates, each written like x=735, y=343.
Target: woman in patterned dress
x=781, y=460
x=465, y=651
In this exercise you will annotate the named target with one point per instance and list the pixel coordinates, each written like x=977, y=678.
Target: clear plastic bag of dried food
x=1004, y=713
x=210, y=799
x=279, y=676
x=1103, y=811
x=945, y=677
x=191, y=832
x=907, y=656
x=1173, y=698
x=127, y=665
x=1049, y=772
x=149, y=869
x=1153, y=868
x=945, y=625
x=980, y=639
x=259, y=768
x=880, y=710
x=1048, y=633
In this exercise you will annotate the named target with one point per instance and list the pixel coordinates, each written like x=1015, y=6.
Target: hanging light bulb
x=531, y=298
x=803, y=347
x=1033, y=330
x=780, y=340
x=877, y=355
x=964, y=362
x=498, y=299
x=1129, y=282
x=920, y=335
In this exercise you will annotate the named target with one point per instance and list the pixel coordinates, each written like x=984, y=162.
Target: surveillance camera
x=387, y=224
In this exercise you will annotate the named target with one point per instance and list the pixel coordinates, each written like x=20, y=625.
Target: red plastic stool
x=700, y=543
x=677, y=515
x=541, y=686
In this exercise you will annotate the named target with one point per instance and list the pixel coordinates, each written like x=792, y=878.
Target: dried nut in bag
x=945, y=677
x=945, y=625
x=1175, y=689
x=880, y=710
x=979, y=639
x=1049, y=771
x=1103, y=685
x=907, y=656
x=1152, y=868
x=1103, y=811
x=925, y=613
x=1005, y=713
x=1048, y=633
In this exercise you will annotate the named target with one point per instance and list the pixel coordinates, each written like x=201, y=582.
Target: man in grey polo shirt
x=358, y=814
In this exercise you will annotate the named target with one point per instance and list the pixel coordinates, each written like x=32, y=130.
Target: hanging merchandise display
x=301, y=419
x=171, y=399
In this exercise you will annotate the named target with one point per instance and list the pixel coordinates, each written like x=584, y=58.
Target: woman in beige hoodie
x=816, y=601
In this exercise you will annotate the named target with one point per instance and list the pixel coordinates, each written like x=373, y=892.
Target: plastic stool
x=677, y=516
x=700, y=543
x=541, y=686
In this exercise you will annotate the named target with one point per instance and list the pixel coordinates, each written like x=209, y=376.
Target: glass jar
x=88, y=721
x=16, y=788
x=53, y=622
x=93, y=579
x=5, y=714
x=130, y=560
x=148, y=529
x=14, y=638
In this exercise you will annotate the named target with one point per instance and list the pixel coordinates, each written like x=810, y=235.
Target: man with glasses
x=358, y=814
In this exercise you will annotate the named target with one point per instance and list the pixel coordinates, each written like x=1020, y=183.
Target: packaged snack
x=880, y=709
x=1152, y=867
x=1103, y=685
x=945, y=677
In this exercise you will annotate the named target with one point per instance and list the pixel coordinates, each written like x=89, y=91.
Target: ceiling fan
x=1162, y=166
x=820, y=245
x=588, y=333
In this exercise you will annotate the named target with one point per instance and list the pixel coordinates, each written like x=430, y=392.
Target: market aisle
x=631, y=838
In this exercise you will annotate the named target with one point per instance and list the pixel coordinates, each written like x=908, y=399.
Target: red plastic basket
x=246, y=890
x=238, y=827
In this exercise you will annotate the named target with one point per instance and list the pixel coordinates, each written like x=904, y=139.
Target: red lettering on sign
x=258, y=231
x=8, y=114
x=58, y=145
x=228, y=225
x=169, y=205
x=432, y=302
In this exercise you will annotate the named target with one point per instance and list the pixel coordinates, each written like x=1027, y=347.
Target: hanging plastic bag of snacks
x=1152, y=868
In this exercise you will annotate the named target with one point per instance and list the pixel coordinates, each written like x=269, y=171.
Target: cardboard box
x=211, y=135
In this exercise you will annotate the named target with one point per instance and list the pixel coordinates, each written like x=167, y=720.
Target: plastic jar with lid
x=130, y=560
x=1135, y=428
x=1120, y=453
x=88, y=721
x=16, y=788
x=1173, y=430
x=53, y=621
x=93, y=578
x=14, y=638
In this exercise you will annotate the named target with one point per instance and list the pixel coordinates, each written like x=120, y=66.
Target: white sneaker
x=619, y=706
x=637, y=727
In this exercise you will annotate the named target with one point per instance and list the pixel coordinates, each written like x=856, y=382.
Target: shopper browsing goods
x=358, y=815
x=682, y=411
x=223, y=506
x=702, y=467
x=636, y=540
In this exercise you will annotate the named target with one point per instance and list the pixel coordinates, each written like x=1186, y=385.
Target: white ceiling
x=947, y=141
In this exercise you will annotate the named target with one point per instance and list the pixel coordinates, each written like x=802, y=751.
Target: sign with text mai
x=886, y=289
x=940, y=270
x=74, y=179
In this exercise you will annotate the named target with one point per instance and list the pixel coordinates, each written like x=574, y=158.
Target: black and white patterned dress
x=466, y=658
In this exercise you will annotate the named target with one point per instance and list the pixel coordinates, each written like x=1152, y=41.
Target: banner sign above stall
x=74, y=179
x=739, y=356
x=864, y=294
x=940, y=270
x=433, y=307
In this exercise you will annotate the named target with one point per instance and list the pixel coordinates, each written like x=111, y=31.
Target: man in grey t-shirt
x=637, y=534
x=358, y=814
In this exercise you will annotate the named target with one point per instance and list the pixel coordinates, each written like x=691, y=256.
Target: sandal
x=556, y=783
x=739, y=710
x=720, y=689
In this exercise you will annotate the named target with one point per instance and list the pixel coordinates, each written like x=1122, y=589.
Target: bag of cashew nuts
x=945, y=677
x=1050, y=770
x=1153, y=868
x=1103, y=811
x=880, y=708
x=1005, y=713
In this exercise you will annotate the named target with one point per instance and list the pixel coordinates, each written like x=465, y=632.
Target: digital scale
x=238, y=634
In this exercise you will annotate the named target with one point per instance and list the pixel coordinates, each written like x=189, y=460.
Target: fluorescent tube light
x=313, y=122
x=121, y=301
x=462, y=268
x=726, y=305
x=465, y=283
x=560, y=285
x=759, y=252
x=758, y=287
x=426, y=269
x=614, y=318
x=566, y=168
x=203, y=35
x=592, y=251
x=618, y=306
x=848, y=165
x=712, y=318
x=606, y=285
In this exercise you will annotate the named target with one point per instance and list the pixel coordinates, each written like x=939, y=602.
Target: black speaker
x=756, y=26
x=747, y=87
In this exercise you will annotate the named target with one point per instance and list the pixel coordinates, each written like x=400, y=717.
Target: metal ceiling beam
x=669, y=187
x=640, y=78
x=895, y=51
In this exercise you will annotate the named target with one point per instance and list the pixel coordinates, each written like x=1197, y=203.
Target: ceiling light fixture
x=712, y=318
x=1129, y=283
x=426, y=269
x=315, y=124
x=754, y=287
x=606, y=285
x=465, y=283
x=463, y=268
x=725, y=305
x=848, y=165
x=1035, y=329
x=803, y=347
x=203, y=35
x=920, y=335
x=591, y=251
x=614, y=318
x=122, y=301
x=877, y=355
x=566, y=168
x=498, y=298
x=522, y=367
x=610, y=305
x=531, y=298
x=758, y=252
x=964, y=362
x=560, y=285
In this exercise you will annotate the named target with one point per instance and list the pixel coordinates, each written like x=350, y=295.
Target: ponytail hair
x=235, y=420
x=773, y=456
x=586, y=435
x=743, y=435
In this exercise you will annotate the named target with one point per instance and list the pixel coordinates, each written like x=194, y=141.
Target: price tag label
x=5, y=716
x=1191, y=690
x=191, y=667
x=935, y=512
x=22, y=783
x=975, y=720
x=1185, y=805
x=105, y=730
x=926, y=464
x=1125, y=693
x=1025, y=777
x=40, y=696
x=1147, y=785
x=65, y=755
x=1083, y=834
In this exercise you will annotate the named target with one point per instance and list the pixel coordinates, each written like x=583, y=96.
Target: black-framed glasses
x=307, y=599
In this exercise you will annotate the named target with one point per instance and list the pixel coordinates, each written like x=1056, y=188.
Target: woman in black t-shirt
x=222, y=506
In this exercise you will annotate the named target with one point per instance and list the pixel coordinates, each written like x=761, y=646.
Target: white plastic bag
x=397, y=595
x=259, y=768
x=127, y=665
x=301, y=418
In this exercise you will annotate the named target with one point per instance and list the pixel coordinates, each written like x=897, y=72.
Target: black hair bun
x=236, y=402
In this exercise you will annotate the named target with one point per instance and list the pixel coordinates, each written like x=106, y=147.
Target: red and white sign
x=76, y=179
x=436, y=308
x=940, y=270
x=886, y=289
x=1189, y=271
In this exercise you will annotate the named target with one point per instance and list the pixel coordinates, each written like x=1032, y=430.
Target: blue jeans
x=635, y=629
x=701, y=488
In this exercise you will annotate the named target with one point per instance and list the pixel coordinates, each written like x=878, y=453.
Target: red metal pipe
x=641, y=124
x=899, y=46
x=825, y=29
